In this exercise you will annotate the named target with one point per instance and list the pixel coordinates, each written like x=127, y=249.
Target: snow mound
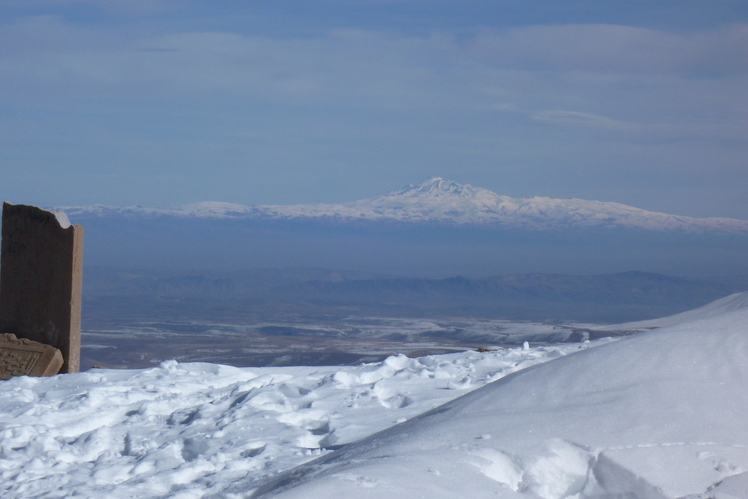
x=62, y=219
x=656, y=415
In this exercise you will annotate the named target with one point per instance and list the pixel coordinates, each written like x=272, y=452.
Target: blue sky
x=162, y=103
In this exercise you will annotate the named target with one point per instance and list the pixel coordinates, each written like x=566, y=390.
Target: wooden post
x=41, y=280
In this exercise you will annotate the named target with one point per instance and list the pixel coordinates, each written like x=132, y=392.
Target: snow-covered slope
x=191, y=430
x=736, y=301
x=441, y=201
x=660, y=414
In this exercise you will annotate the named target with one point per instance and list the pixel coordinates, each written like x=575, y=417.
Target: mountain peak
x=436, y=187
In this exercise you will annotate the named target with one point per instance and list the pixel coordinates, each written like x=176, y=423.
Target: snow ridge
x=653, y=416
x=441, y=201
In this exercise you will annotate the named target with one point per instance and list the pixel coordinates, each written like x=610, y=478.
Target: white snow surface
x=441, y=201
x=657, y=415
x=195, y=430
x=735, y=301
x=62, y=219
x=660, y=414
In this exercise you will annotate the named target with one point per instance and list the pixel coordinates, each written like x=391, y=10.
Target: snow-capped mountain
x=440, y=201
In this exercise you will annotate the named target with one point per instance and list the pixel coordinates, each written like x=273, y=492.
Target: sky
x=162, y=103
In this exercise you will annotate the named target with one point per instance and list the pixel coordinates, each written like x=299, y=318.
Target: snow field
x=656, y=415
x=193, y=430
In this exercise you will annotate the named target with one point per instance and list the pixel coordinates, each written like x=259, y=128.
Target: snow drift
x=660, y=414
x=192, y=430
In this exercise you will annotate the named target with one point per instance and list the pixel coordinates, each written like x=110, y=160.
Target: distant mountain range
x=437, y=201
x=434, y=229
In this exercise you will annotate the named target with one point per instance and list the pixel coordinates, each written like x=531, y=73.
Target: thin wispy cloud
x=617, y=49
x=587, y=120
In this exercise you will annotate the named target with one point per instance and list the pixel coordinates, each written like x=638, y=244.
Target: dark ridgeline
x=263, y=294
